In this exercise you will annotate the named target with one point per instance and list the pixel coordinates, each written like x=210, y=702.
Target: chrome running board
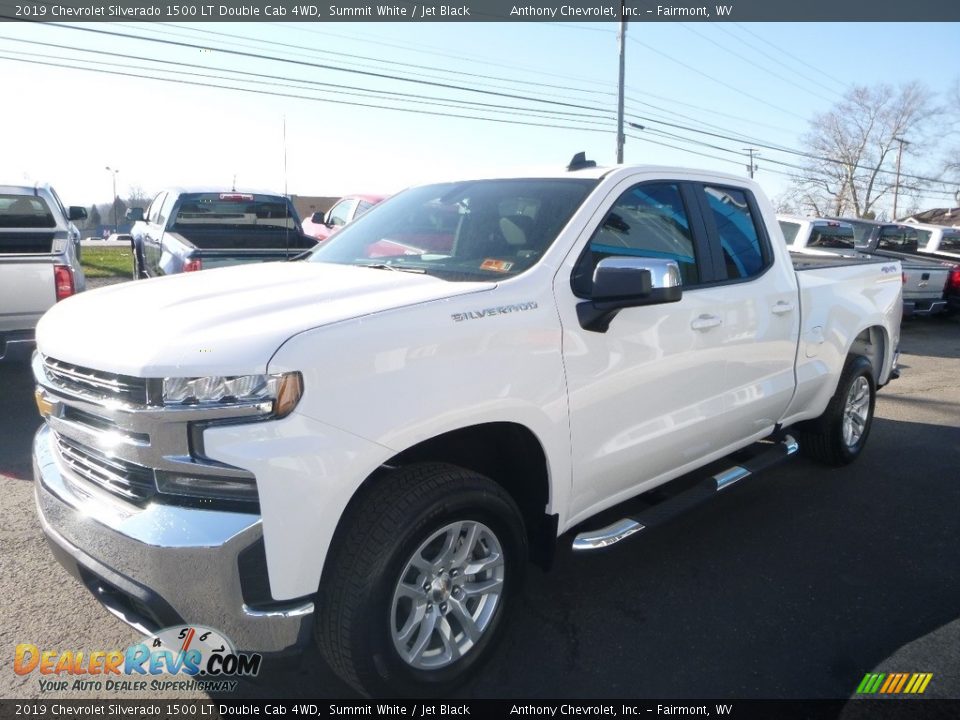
x=680, y=503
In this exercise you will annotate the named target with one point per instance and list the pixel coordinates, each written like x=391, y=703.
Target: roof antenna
x=233, y=188
x=579, y=162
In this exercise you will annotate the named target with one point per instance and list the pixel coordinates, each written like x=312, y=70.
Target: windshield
x=477, y=230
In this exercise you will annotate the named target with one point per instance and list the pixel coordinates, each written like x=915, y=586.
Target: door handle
x=781, y=308
x=705, y=322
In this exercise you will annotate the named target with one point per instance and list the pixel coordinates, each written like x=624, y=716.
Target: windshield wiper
x=394, y=268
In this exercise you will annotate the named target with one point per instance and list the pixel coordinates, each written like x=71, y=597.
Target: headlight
x=283, y=390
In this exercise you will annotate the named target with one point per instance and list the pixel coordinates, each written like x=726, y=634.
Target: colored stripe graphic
x=894, y=683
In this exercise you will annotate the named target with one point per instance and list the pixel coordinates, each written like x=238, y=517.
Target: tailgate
x=224, y=258
x=924, y=283
x=26, y=291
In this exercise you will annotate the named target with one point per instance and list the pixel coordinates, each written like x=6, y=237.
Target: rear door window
x=789, y=230
x=153, y=212
x=340, y=213
x=732, y=213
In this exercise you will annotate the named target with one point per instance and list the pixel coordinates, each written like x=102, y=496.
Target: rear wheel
x=838, y=436
x=420, y=577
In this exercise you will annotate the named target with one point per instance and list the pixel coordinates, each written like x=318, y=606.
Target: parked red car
x=345, y=210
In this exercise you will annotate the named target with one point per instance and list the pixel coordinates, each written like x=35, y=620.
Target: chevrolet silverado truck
x=368, y=448
x=939, y=240
x=185, y=230
x=39, y=262
x=924, y=279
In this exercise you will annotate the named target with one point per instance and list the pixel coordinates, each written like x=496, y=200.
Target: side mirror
x=622, y=282
x=75, y=212
x=317, y=218
x=134, y=214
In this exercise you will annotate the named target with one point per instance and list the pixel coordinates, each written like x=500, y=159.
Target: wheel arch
x=873, y=343
x=508, y=453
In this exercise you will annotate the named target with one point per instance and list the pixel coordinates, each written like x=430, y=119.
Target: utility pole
x=623, y=41
x=896, y=187
x=751, y=168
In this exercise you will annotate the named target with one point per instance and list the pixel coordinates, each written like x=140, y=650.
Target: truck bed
x=803, y=261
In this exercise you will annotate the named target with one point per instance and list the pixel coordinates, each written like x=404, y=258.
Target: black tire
x=824, y=439
x=384, y=528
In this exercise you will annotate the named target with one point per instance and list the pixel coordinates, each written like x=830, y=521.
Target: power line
x=780, y=148
x=324, y=66
x=306, y=97
x=300, y=84
x=474, y=58
x=780, y=50
x=792, y=113
x=392, y=63
x=753, y=64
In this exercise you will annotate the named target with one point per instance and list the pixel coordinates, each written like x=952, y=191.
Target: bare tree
x=785, y=204
x=952, y=165
x=138, y=197
x=854, y=149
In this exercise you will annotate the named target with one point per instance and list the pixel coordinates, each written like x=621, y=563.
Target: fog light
x=206, y=486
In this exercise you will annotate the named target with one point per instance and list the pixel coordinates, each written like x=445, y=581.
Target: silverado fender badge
x=493, y=311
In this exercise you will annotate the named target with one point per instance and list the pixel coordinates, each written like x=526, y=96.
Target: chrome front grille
x=95, y=384
x=129, y=481
x=110, y=436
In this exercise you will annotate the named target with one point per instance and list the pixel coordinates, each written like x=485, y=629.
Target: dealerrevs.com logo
x=197, y=658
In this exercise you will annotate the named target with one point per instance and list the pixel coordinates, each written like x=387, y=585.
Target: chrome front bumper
x=162, y=564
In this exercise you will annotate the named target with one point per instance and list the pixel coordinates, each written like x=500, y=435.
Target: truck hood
x=223, y=322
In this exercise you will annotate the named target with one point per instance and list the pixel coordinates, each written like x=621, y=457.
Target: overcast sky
x=85, y=97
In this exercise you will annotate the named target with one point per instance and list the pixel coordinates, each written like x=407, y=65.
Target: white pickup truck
x=367, y=446
x=939, y=240
x=924, y=278
x=39, y=262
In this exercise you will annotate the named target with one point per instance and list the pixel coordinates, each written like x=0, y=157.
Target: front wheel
x=421, y=574
x=838, y=436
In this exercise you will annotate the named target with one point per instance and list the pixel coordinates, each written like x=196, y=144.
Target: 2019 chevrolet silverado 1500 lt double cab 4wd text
x=39, y=262
x=369, y=444
x=185, y=230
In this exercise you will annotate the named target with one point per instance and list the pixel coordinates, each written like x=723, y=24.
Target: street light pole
x=116, y=226
x=896, y=187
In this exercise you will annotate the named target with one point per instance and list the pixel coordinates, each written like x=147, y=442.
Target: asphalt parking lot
x=792, y=586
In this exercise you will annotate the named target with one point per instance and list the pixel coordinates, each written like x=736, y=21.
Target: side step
x=669, y=509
